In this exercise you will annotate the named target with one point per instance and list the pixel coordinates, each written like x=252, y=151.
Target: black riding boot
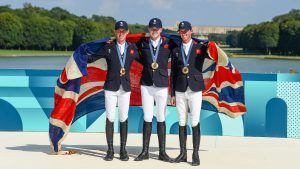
x=161, y=132
x=196, y=144
x=109, y=129
x=123, y=134
x=147, y=128
x=182, y=140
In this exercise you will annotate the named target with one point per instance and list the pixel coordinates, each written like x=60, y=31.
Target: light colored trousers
x=186, y=101
x=160, y=96
x=118, y=98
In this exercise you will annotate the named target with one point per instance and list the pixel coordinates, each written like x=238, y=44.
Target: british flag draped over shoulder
x=80, y=91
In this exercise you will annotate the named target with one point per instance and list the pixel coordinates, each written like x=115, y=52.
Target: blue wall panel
x=272, y=100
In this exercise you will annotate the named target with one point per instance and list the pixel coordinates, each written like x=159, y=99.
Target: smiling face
x=155, y=32
x=121, y=35
x=186, y=35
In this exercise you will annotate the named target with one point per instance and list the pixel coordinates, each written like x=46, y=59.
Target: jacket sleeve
x=174, y=73
x=101, y=53
x=204, y=49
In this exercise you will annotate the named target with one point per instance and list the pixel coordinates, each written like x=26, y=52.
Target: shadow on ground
x=91, y=150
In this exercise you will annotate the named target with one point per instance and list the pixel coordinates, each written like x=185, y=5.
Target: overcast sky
x=198, y=12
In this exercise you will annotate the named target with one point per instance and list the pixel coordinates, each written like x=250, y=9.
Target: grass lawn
x=12, y=53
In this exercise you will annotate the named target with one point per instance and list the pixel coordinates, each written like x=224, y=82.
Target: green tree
x=86, y=31
x=232, y=39
x=289, y=37
x=248, y=38
x=267, y=36
x=61, y=14
x=39, y=32
x=293, y=15
x=107, y=24
x=5, y=8
x=137, y=28
x=65, y=34
x=11, y=30
x=218, y=38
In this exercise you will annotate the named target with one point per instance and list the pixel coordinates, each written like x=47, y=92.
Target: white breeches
x=160, y=96
x=118, y=98
x=186, y=101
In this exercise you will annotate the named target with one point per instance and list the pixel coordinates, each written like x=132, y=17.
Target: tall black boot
x=161, y=131
x=196, y=144
x=147, y=129
x=182, y=140
x=123, y=136
x=109, y=128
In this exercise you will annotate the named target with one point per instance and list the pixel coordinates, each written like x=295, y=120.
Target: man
x=187, y=86
x=154, y=56
x=119, y=55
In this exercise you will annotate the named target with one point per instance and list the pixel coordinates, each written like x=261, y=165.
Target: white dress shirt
x=186, y=47
x=121, y=48
x=155, y=42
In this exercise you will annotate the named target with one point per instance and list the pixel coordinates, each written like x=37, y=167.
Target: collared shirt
x=155, y=42
x=186, y=46
x=121, y=47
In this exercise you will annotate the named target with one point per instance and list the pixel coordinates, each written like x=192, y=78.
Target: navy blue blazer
x=194, y=79
x=157, y=77
x=113, y=78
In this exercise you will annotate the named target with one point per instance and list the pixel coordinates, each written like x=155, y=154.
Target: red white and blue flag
x=79, y=89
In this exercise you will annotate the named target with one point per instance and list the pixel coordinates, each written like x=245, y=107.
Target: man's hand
x=173, y=101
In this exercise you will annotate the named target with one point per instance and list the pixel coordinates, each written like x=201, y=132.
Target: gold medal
x=122, y=71
x=154, y=65
x=185, y=70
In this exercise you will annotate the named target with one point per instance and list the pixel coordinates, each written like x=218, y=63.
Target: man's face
x=185, y=35
x=154, y=32
x=121, y=34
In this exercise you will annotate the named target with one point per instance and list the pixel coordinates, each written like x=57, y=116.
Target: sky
x=198, y=12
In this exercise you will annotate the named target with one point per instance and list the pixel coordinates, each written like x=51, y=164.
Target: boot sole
x=141, y=159
x=125, y=159
x=110, y=159
x=182, y=160
x=195, y=164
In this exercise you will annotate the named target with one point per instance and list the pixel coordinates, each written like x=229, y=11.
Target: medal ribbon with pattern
x=154, y=65
x=122, y=60
x=185, y=69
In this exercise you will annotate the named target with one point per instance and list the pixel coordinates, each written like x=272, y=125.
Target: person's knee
x=195, y=122
x=148, y=117
x=123, y=117
x=182, y=122
x=110, y=118
x=161, y=117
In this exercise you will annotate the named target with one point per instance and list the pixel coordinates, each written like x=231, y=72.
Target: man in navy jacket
x=155, y=53
x=119, y=56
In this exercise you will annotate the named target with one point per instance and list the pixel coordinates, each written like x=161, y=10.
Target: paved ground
x=29, y=150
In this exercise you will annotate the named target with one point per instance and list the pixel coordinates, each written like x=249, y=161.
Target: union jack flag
x=79, y=89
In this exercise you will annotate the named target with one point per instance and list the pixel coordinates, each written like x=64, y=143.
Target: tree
x=11, y=30
x=39, y=32
x=137, y=28
x=293, y=15
x=85, y=31
x=65, y=34
x=107, y=24
x=219, y=38
x=62, y=14
x=289, y=37
x=267, y=36
x=5, y=8
x=232, y=39
x=248, y=37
